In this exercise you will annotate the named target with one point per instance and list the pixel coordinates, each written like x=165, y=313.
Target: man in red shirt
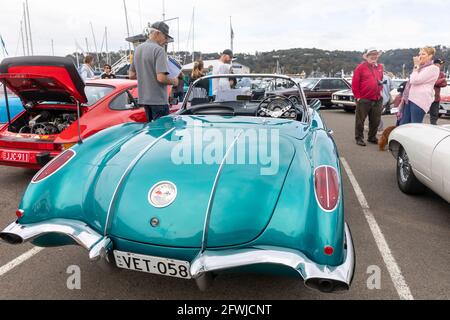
x=367, y=87
x=441, y=83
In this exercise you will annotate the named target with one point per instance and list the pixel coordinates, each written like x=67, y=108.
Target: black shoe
x=361, y=143
x=374, y=141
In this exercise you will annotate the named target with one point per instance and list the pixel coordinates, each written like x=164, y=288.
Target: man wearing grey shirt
x=150, y=67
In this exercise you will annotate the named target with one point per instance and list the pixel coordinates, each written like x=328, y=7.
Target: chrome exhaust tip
x=205, y=281
x=327, y=285
x=11, y=238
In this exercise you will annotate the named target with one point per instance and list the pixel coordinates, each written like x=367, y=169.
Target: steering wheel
x=276, y=107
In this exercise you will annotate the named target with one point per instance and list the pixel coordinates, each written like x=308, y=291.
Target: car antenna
x=7, y=102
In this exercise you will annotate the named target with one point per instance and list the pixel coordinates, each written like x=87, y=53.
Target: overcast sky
x=261, y=25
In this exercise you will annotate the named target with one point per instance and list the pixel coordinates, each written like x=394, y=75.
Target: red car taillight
x=328, y=250
x=20, y=213
x=54, y=166
x=327, y=187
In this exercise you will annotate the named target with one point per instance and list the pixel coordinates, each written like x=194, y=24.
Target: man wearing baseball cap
x=150, y=67
x=441, y=83
x=367, y=87
x=224, y=67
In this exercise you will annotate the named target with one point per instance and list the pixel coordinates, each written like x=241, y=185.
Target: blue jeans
x=412, y=113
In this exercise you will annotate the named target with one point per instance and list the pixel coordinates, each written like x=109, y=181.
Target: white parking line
x=19, y=260
x=394, y=270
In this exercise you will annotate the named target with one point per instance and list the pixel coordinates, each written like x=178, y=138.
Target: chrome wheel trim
x=405, y=168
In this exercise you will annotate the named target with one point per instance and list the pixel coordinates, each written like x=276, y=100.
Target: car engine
x=46, y=123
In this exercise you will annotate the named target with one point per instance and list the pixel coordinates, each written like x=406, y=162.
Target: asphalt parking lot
x=406, y=238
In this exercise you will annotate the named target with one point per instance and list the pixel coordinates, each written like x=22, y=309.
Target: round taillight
x=327, y=187
x=54, y=165
x=328, y=250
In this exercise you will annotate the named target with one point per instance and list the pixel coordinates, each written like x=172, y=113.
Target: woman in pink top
x=419, y=92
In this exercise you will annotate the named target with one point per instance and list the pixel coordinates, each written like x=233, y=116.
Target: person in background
x=224, y=67
x=87, y=69
x=441, y=83
x=367, y=86
x=107, y=72
x=419, y=92
x=387, y=98
x=178, y=91
x=233, y=82
x=210, y=72
x=388, y=86
x=197, y=72
x=150, y=67
x=202, y=88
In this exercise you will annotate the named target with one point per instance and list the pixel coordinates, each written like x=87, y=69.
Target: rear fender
x=298, y=221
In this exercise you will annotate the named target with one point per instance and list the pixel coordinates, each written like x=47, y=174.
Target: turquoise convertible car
x=231, y=183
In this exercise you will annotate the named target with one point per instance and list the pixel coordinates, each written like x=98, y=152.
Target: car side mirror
x=315, y=104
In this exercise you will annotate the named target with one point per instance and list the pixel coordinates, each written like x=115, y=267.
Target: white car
x=344, y=99
x=423, y=158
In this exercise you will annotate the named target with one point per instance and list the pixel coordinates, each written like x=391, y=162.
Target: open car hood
x=36, y=79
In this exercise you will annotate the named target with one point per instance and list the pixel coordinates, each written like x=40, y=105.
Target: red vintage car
x=60, y=109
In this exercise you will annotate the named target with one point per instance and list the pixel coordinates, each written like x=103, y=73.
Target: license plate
x=154, y=265
x=15, y=156
x=443, y=111
x=340, y=105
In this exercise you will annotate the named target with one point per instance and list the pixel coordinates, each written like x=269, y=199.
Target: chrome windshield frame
x=305, y=105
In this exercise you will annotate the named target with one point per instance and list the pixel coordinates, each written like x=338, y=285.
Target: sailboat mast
x=106, y=41
x=95, y=43
x=193, y=35
x=26, y=29
x=164, y=10
x=78, y=59
x=29, y=28
x=22, y=36
x=231, y=35
x=128, y=26
x=87, y=46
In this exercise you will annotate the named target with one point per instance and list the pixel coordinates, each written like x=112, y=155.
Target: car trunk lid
x=35, y=79
x=245, y=194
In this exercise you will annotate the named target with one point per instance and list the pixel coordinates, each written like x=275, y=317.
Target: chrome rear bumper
x=80, y=232
x=320, y=277
x=323, y=278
